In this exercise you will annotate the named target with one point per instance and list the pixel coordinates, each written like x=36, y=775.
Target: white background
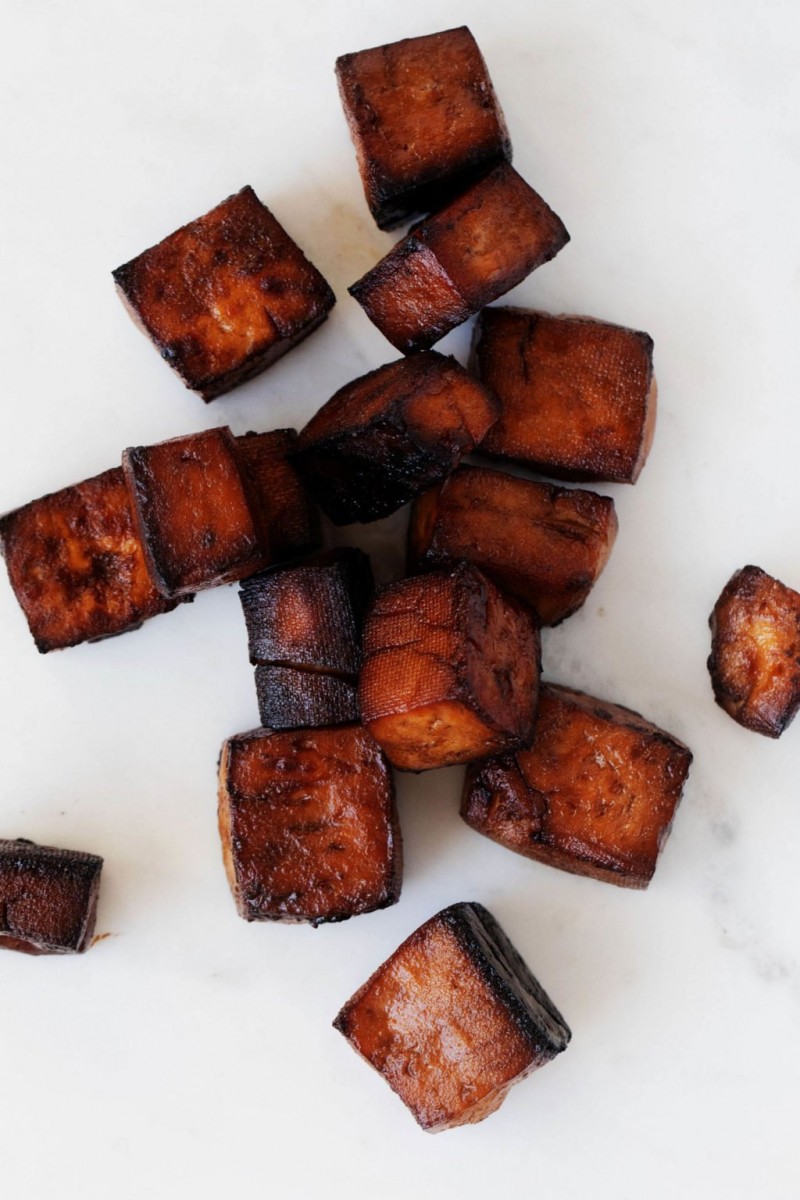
x=189, y=1054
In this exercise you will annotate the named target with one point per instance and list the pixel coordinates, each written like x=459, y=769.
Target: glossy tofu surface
x=48, y=898
x=300, y=699
x=288, y=520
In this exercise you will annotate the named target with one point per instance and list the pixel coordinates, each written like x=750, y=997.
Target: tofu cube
x=297, y=699
x=289, y=521
x=48, y=898
x=454, y=1019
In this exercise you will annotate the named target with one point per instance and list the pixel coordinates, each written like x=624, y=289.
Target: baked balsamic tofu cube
x=424, y=120
x=386, y=437
x=546, y=545
x=454, y=1019
x=194, y=512
x=755, y=651
x=308, y=825
x=287, y=519
x=225, y=296
x=48, y=898
x=449, y=266
x=297, y=699
x=76, y=564
x=594, y=793
x=450, y=671
x=577, y=396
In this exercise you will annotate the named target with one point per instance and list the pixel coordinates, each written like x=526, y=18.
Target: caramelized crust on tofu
x=595, y=792
x=193, y=512
x=384, y=438
x=77, y=566
x=448, y=267
x=450, y=670
x=298, y=699
x=287, y=520
x=226, y=295
x=454, y=1019
x=308, y=825
x=48, y=898
x=577, y=396
x=755, y=651
x=424, y=120
x=546, y=545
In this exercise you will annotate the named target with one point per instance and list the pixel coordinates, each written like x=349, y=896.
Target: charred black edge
x=336, y=698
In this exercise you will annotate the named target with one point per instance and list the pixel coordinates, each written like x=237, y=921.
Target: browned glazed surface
x=288, y=522
x=301, y=699
x=48, y=898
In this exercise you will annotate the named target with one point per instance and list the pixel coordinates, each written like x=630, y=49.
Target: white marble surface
x=191, y=1055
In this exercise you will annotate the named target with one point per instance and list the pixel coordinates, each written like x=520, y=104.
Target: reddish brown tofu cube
x=386, y=437
x=594, y=793
x=308, y=825
x=225, y=296
x=288, y=520
x=454, y=1019
x=77, y=566
x=450, y=672
x=546, y=545
x=297, y=699
x=755, y=651
x=449, y=266
x=424, y=120
x=48, y=898
x=194, y=512
x=577, y=396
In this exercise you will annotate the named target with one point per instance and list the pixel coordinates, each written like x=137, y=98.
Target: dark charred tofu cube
x=449, y=266
x=454, y=1019
x=288, y=521
x=594, y=793
x=386, y=437
x=292, y=699
x=226, y=295
x=194, y=512
x=450, y=671
x=424, y=120
x=77, y=566
x=755, y=651
x=48, y=898
x=577, y=396
x=546, y=545
x=308, y=825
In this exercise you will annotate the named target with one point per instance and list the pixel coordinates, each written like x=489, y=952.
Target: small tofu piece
x=77, y=566
x=297, y=699
x=308, y=825
x=755, y=651
x=225, y=296
x=48, y=898
x=386, y=437
x=449, y=266
x=450, y=672
x=454, y=1019
x=424, y=120
x=546, y=545
x=289, y=521
x=194, y=512
x=594, y=793
x=577, y=396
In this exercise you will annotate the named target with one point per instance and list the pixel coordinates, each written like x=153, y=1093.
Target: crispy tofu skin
x=288, y=521
x=755, y=651
x=48, y=898
x=76, y=564
x=193, y=512
x=450, y=672
x=298, y=699
x=308, y=825
x=454, y=1019
x=226, y=295
x=424, y=120
x=477, y=248
x=595, y=792
x=546, y=545
x=577, y=396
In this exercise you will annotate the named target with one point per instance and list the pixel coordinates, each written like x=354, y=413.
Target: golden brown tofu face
x=386, y=437
x=594, y=793
x=477, y=248
x=193, y=512
x=453, y=1019
x=755, y=651
x=48, y=898
x=288, y=522
x=226, y=295
x=577, y=396
x=77, y=566
x=308, y=825
x=450, y=670
x=424, y=120
x=546, y=545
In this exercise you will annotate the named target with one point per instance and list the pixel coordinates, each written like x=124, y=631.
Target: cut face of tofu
x=288, y=521
x=48, y=898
